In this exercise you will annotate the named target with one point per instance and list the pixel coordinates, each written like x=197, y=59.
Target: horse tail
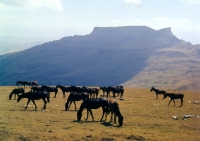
x=56, y=90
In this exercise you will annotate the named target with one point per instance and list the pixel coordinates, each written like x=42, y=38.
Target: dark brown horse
x=31, y=96
x=37, y=89
x=75, y=97
x=173, y=96
x=91, y=103
x=158, y=92
x=16, y=91
x=114, y=109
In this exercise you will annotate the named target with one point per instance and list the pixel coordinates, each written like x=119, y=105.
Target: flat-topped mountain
x=131, y=55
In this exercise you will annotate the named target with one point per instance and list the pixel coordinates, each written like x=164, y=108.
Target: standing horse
x=50, y=89
x=103, y=88
x=91, y=91
x=37, y=89
x=114, y=109
x=23, y=83
x=117, y=89
x=173, y=96
x=35, y=96
x=90, y=104
x=16, y=91
x=75, y=97
x=157, y=91
x=64, y=89
x=34, y=83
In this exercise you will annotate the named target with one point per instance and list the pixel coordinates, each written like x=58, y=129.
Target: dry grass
x=144, y=119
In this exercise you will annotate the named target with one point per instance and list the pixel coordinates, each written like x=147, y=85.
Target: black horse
x=34, y=83
x=75, y=97
x=35, y=96
x=93, y=92
x=157, y=92
x=114, y=109
x=90, y=104
x=37, y=89
x=173, y=96
x=64, y=89
x=23, y=83
x=103, y=88
x=16, y=91
x=117, y=89
x=50, y=89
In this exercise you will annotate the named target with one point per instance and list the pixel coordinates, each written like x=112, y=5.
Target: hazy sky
x=54, y=19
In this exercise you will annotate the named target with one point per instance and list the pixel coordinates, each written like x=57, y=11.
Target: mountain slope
x=106, y=56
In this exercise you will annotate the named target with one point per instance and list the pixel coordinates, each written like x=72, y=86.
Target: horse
x=50, y=89
x=34, y=83
x=64, y=89
x=35, y=96
x=114, y=109
x=91, y=103
x=37, y=89
x=91, y=91
x=16, y=91
x=157, y=91
x=173, y=96
x=23, y=83
x=75, y=97
x=103, y=88
x=117, y=89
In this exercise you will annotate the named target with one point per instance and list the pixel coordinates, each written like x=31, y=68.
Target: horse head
x=152, y=88
x=19, y=98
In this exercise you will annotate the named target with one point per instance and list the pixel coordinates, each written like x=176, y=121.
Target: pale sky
x=54, y=19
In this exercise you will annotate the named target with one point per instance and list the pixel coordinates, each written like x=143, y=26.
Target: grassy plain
x=145, y=118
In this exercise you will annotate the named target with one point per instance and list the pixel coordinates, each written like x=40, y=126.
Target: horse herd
x=89, y=96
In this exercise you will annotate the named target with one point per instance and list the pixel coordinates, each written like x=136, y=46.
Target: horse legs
x=156, y=96
x=111, y=116
x=45, y=102
x=27, y=104
x=35, y=105
x=174, y=102
x=181, y=102
x=169, y=102
x=75, y=105
x=63, y=94
x=104, y=111
x=115, y=115
x=54, y=95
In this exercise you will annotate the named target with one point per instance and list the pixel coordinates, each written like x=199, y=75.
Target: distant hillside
x=106, y=56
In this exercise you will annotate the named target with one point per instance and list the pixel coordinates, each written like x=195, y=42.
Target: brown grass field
x=145, y=118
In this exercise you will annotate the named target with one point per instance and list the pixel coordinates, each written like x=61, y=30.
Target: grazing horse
x=114, y=109
x=90, y=104
x=50, y=89
x=16, y=91
x=75, y=97
x=157, y=91
x=35, y=96
x=173, y=96
x=23, y=83
x=64, y=89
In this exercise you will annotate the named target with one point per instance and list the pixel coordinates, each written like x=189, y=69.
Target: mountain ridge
x=106, y=56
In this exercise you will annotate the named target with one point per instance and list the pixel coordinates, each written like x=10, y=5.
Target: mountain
x=135, y=56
